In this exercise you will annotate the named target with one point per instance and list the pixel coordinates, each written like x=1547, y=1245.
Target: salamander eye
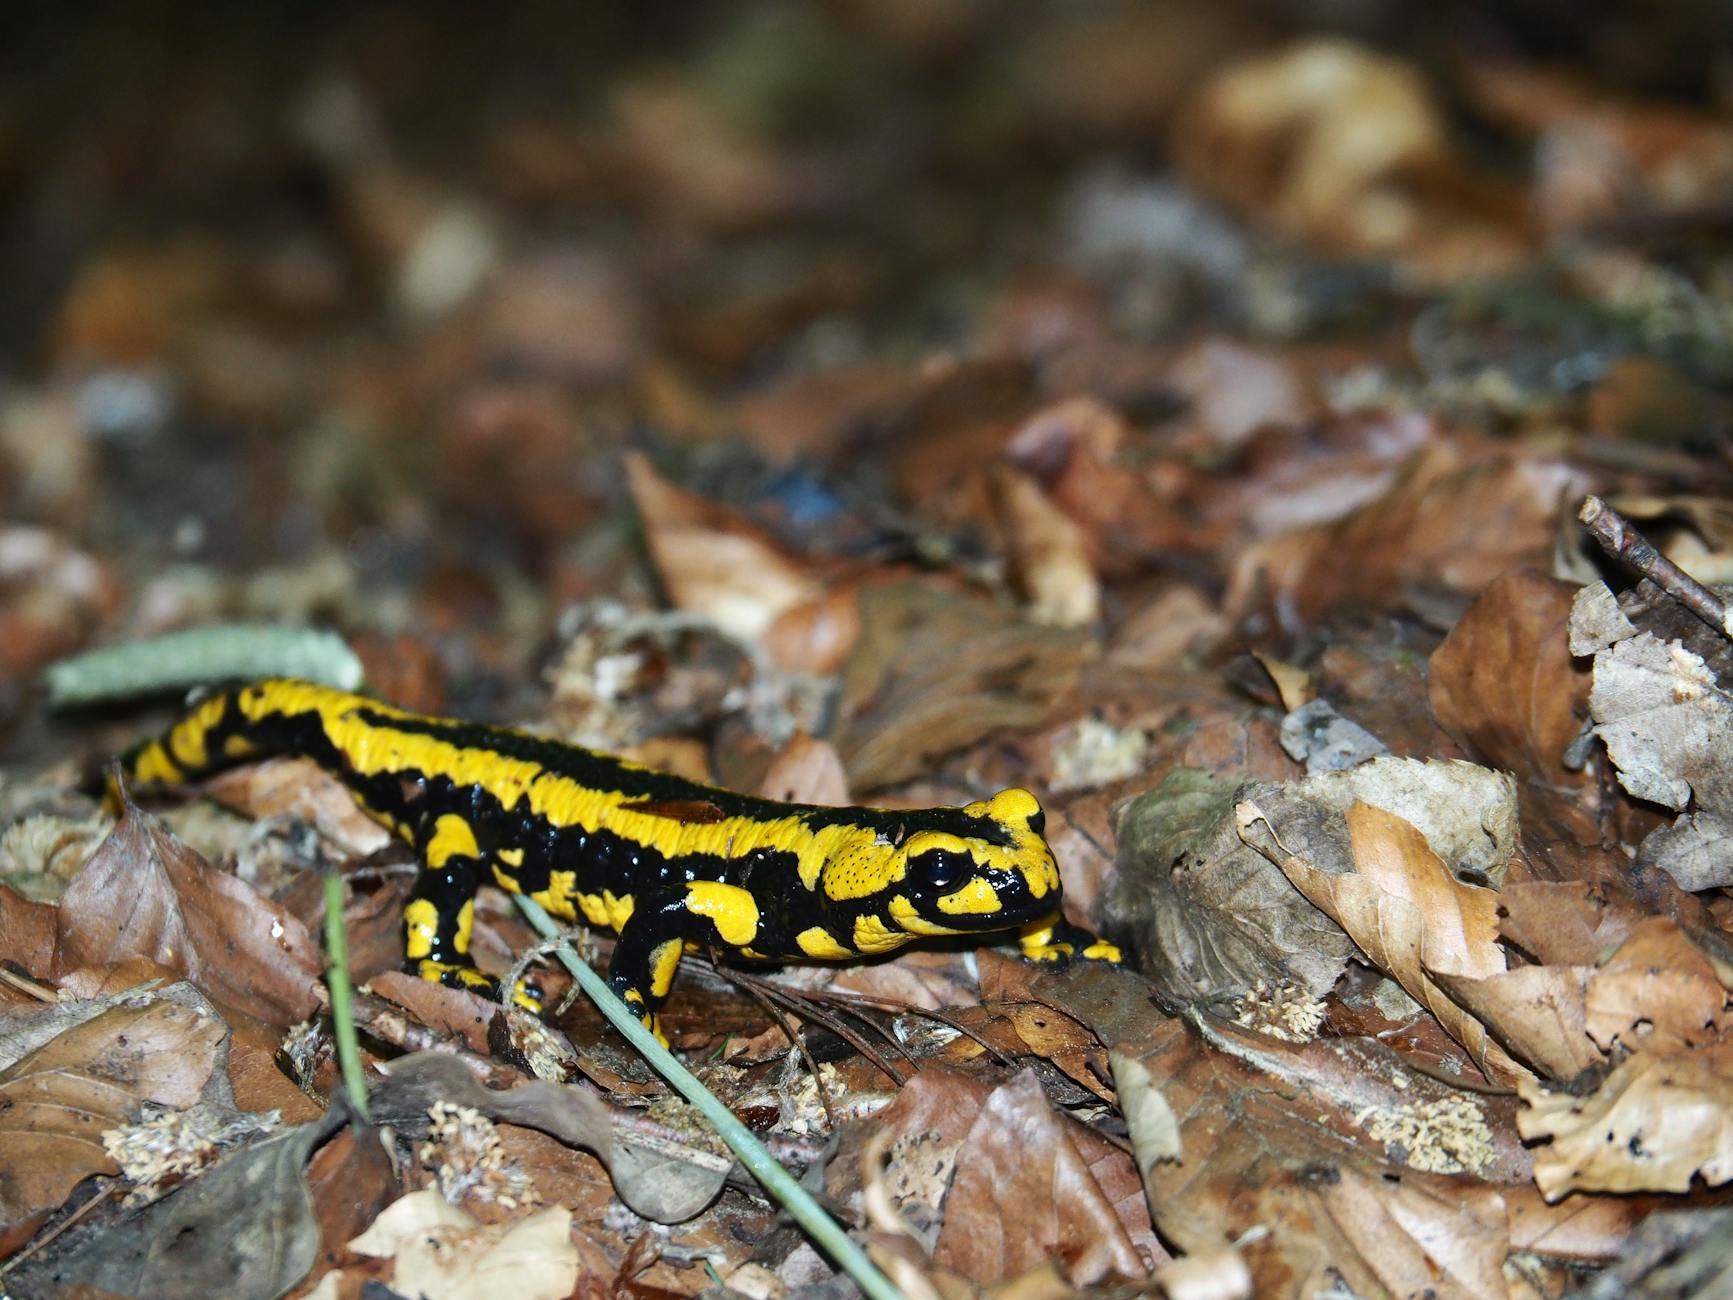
x=941, y=869
x=1038, y=822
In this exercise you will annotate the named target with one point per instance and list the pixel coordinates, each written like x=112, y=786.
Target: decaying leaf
x=1666, y=721
x=1657, y=993
x=1206, y=914
x=1657, y=1122
x=246, y=1228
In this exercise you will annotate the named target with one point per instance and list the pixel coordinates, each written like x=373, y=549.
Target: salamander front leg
x=1057, y=940
x=646, y=956
x=440, y=915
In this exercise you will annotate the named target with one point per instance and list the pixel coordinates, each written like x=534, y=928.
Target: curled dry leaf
x=1405, y=912
x=1204, y=913
x=1655, y=1123
x=57, y=1101
x=144, y=893
x=1537, y=1012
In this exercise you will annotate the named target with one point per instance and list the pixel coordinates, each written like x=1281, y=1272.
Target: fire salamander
x=668, y=864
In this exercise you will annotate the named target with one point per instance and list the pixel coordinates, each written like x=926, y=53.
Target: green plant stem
x=342, y=1006
x=824, y=1230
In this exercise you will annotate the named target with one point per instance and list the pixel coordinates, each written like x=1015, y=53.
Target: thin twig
x=802, y=1005
x=24, y=984
x=1623, y=542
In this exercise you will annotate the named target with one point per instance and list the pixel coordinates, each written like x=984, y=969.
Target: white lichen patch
x=1285, y=1011
x=464, y=1153
x=1446, y=1136
x=165, y=1149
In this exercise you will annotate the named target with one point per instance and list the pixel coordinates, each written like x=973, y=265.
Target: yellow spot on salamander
x=421, y=928
x=187, y=740
x=904, y=914
x=817, y=942
x=976, y=898
x=452, y=838
x=619, y=908
x=465, y=926
x=872, y=935
x=153, y=766
x=505, y=882
x=239, y=747
x=511, y=857
x=557, y=896
x=664, y=961
x=732, y=909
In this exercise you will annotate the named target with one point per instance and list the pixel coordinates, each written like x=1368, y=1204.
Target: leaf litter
x=1177, y=412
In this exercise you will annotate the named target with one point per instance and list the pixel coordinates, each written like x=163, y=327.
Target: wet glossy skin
x=666, y=863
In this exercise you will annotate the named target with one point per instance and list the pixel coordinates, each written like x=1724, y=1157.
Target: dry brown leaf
x=1567, y=922
x=935, y=671
x=1050, y=551
x=27, y=932
x=1655, y=1123
x=56, y=1102
x=1074, y=450
x=1029, y=1186
x=144, y=893
x=1020, y=1194
x=1657, y=993
x=1504, y=681
x=1407, y=914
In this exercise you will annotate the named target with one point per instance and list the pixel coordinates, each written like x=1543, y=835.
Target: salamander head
x=987, y=869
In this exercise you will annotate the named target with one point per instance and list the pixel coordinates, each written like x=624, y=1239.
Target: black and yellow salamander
x=668, y=864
